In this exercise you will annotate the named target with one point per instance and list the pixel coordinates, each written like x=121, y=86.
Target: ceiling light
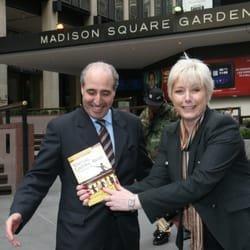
x=177, y=9
x=59, y=26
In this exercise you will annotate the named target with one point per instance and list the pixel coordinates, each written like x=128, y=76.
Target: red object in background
x=235, y=82
x=164, y=81
x=240, y=76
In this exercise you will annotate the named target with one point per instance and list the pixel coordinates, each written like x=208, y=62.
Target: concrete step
x=5, y=189
x=1, y=168
x=37, y=141
x=3, y=178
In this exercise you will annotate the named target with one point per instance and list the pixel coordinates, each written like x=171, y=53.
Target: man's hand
x=11, y=225
x=83, y=194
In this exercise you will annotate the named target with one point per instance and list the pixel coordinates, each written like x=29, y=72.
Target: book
x=91, y=167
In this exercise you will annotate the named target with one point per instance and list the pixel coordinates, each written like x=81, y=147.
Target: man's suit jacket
x=81, y=227
x=218, y=183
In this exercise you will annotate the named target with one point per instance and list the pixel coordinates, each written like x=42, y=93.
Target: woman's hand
x=121, y=199
x=83, y=194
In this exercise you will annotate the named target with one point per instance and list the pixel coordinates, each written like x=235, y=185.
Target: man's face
x=97, y=92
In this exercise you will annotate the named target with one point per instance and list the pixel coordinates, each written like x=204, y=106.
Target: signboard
x=231, y=76
x=219, y=17
x=191, y=5
x=223, y=75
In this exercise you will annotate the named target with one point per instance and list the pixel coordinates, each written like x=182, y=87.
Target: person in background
x=82, y=227
x=154, y=118
x=201, y=173
x=151, y=81
x=157, y=114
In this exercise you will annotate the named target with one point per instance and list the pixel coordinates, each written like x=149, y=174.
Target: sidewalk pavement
x=39, y=233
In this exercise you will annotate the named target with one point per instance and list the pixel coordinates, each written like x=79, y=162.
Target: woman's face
x=189, y=100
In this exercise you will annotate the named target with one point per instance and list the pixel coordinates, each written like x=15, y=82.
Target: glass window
x=158, y=7
x=75, y=3
x=169, y=6
x=24, y=84
x=146, y=8
x=133, y=13
x=67, y=1
x=163, y=7
x=67, y=90
x=118, y=10
x=85, y=4
x=102, y=8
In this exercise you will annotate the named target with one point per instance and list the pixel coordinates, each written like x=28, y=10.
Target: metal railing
x=22, y=106
x=235, y=112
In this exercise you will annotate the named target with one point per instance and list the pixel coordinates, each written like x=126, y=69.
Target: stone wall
x=11, y=151
x=247, y=144
x=39, y=122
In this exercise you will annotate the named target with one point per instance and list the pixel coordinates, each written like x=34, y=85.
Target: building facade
x=41, y=61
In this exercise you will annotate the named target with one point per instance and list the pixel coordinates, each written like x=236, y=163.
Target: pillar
x=50, y=88
x=93, y=12
x=3, y=67
x=50, y=84
x=125, y=9
x=152, y=7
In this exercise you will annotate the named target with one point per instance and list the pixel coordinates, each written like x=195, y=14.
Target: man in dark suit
x=82, y=227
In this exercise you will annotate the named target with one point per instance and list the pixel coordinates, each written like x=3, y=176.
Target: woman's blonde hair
x=191, y=71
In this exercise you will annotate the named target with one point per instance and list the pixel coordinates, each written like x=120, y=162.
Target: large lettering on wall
x=220, y=17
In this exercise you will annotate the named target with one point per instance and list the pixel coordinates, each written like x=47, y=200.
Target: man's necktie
x=106, y=142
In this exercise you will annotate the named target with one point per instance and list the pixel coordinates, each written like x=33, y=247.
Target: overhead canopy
x=129, y=44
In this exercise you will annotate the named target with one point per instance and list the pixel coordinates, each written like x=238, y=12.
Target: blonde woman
x=201, y=174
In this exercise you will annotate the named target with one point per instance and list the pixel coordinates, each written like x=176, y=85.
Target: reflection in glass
x=133, y=14
x=118, y=10
x=146, y=8
x=163, y=7
x=169, y=7
x=158, y=7
x=102, y=8
x=83, y=4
